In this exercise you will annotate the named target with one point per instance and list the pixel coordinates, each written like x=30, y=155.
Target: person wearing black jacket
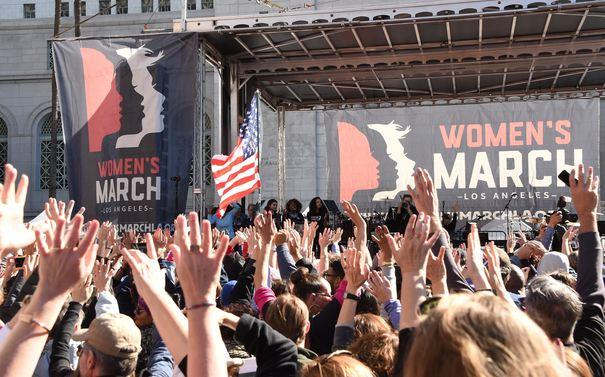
x=110, y=345
x=586, y=335
x=276, y=356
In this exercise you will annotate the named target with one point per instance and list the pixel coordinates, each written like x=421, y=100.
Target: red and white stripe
x=234, y=177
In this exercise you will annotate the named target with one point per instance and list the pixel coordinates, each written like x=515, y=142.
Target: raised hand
x=104, y=230
x=324, y=238
x=336, y=236
x=380, y=287
x=13, y=233
x=555, y=219
x=425, y=197
x=356, y=269
x=30, y=264
x=129, y=239
x=199, y=265
x=412, y=256
x=386, y=243
x=474, y=259
x=585, y=197
x=82, y=291
x=265, y=227
x=104, y=271
x=294, y=245
x=148, y=277
x=159, y=239
x=65, y=260
x=280, y=238
x=436, y=273
x=494, y=273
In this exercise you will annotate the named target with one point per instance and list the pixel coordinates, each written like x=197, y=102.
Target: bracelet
x=201, y=305
x=29, y=318
x=351, y=296
x=388, y=264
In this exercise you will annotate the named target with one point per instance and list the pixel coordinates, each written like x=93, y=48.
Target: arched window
x=3, y=147
x=45, y=150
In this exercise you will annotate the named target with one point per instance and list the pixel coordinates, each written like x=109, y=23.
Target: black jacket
x=589, y=333
x=275, y=354
x=59, y=357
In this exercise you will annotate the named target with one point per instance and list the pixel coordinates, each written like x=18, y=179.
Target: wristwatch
x=29, y=319
x=351, y=296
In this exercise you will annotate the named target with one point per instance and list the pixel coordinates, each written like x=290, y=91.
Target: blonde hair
x=338, y=364
x=480, y=335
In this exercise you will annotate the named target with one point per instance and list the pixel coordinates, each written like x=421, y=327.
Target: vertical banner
x=480, y=155
x=128, y=112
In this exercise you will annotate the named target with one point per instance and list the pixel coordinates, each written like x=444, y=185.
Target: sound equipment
x=331, y=206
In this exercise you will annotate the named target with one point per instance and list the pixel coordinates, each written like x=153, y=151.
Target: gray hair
x=114, y=366
x=554, y=306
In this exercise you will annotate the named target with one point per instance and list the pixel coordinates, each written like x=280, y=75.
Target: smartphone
x=19, y=262
x=564, y=177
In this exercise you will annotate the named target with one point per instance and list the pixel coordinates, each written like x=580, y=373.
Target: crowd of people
x=250, y=295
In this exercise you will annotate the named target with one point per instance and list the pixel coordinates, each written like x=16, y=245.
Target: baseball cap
x=114, y=334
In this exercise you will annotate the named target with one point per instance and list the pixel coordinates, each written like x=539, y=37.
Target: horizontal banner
x=479, y=155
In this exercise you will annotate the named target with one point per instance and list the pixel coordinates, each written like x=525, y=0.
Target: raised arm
x=356, y=274
x=585, y=196
x=64, y=261
x=150, y=280
x=198, y=267
x=412, y=258
x=426, y=200
x=266, y=229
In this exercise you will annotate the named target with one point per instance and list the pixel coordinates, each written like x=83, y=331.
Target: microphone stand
x=507, y=209
x=176, y=179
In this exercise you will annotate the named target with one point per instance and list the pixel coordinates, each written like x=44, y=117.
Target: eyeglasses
x=327, y=275
x=80, y=349
x=323, y=359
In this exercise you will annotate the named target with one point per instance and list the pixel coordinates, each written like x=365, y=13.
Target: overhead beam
x=301, y=44
x=292, y=91
x=380, y=83
x=579, y=84
x=454, y=54
x=387, y=37
x=405, y=85
x=359, y=88
x=554, y=82
x=361, y=46
x=266, y=38
x=345, y=77
x=418, y=39
x=329, y=42
x=512, y=30
x=545, y=29
x=336, y=89
x=314, y=91
x=267, y=51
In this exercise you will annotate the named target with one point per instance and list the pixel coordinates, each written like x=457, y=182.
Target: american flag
x=236, y=175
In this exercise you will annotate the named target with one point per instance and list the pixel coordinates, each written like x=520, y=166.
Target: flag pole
x=258, y=143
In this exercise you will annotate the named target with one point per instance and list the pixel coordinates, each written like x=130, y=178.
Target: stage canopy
x=465, y=51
